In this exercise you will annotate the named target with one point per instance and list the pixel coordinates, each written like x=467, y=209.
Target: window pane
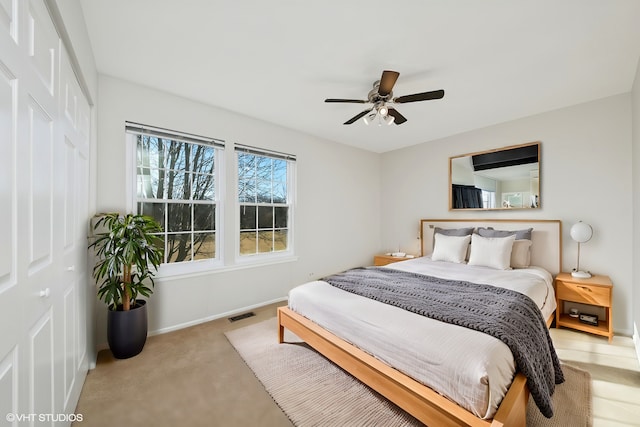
x=247, y=191
x=150, y=152
x=203, y=187
x=204, y=217
x=178, y=155
x=179, y=217
x=246, y=167
x=263, y=168
x=204, y=245
x=154, y=210
x=279, y=170
x=264, y=192
x=248, y=218
x=279, y=192
x=178, y=185
x=265, y=241
x=179, y=247
x=265, y=217
x=202, y=159
x=162, y=244
x=151, y=183
x=281, y=217
x=280, y=240
x=248, y=242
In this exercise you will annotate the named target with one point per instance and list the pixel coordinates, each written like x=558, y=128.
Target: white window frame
x=185, y=267
x=267, y=257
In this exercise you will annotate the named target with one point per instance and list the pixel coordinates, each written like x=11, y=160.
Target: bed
x=441, y=384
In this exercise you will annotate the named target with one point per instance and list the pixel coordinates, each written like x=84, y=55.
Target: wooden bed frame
x=420, y=401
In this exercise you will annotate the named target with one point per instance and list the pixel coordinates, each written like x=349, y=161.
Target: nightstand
x=595, y=291
x=380, y=260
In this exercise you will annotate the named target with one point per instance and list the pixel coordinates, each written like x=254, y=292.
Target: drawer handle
x=585, y=288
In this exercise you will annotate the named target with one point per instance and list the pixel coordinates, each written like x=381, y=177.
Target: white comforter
x=469, y=367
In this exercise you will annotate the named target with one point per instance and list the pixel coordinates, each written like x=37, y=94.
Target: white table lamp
x=581, y=233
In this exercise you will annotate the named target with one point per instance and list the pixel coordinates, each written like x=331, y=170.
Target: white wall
x=585, y=175
x=337, y=218
x=71, y=13
x=635, y=94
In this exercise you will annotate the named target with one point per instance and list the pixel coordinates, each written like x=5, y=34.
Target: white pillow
x=494, y=252
x=450, y=248
x=521, y=253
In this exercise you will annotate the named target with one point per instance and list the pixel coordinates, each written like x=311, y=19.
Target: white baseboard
x=105, y=346
x=214, y=317
x=99, y=348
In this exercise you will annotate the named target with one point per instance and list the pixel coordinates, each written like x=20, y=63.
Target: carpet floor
x=314, y=392
x=191, y=377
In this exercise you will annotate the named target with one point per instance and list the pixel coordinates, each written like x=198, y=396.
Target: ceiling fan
x=381, y=95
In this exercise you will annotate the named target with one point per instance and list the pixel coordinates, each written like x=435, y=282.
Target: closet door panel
x=42, y=43
x=41, y=363
x=44, y=203
x=8, y=207
x=40, y=178
x=11, y=295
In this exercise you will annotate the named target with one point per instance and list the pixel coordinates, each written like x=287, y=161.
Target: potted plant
x=129, y=254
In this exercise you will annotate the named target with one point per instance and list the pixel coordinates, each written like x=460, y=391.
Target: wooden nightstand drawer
x=380, y=260
x=584, y=293
x=595, y=292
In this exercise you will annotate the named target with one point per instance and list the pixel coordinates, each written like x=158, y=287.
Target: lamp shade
x=581, y=232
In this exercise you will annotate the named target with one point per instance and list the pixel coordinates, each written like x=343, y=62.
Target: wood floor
x=615, y=373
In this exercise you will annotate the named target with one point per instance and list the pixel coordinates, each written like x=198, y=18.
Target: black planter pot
x=127, y=330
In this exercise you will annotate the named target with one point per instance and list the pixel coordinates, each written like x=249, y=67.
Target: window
x=488, y=199
x=265, y=201
x=177, y=183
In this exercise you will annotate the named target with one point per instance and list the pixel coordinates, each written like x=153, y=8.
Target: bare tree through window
x=176, y=186
x=264, y=209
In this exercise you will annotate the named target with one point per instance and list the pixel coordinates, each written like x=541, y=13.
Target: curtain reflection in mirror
x=466, y=196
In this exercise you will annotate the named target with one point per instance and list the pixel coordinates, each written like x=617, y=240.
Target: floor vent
x=241, y=316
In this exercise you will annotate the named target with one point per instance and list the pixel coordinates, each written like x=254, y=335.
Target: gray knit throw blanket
x=508, y=315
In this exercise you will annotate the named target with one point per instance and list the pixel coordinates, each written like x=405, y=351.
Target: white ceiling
x=277, y=60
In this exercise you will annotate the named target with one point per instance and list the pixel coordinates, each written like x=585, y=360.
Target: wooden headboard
x=546, y=237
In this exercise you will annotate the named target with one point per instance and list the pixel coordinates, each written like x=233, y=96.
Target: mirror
x=504, y=178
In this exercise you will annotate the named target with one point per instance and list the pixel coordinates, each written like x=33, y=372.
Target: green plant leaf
x=129, y=245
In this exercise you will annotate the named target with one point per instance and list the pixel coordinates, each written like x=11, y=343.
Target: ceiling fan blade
x=424, y=96
x=387, y=81
x=357, y=117
x=351, y=101
x=397, y=117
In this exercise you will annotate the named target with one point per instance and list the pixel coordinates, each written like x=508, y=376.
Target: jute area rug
x=314, y=392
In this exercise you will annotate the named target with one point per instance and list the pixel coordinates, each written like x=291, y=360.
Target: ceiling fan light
x=370, y=117
x=389, y=120
x=382, y=93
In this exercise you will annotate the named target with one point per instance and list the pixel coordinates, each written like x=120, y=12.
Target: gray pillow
x=520, y=234
x=454, y=231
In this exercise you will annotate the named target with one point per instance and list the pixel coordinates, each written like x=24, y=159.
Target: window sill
x=217, y=267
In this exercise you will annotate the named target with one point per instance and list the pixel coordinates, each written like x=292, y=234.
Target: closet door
x=43, y=208
x=11, y=294
x=72, y=213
